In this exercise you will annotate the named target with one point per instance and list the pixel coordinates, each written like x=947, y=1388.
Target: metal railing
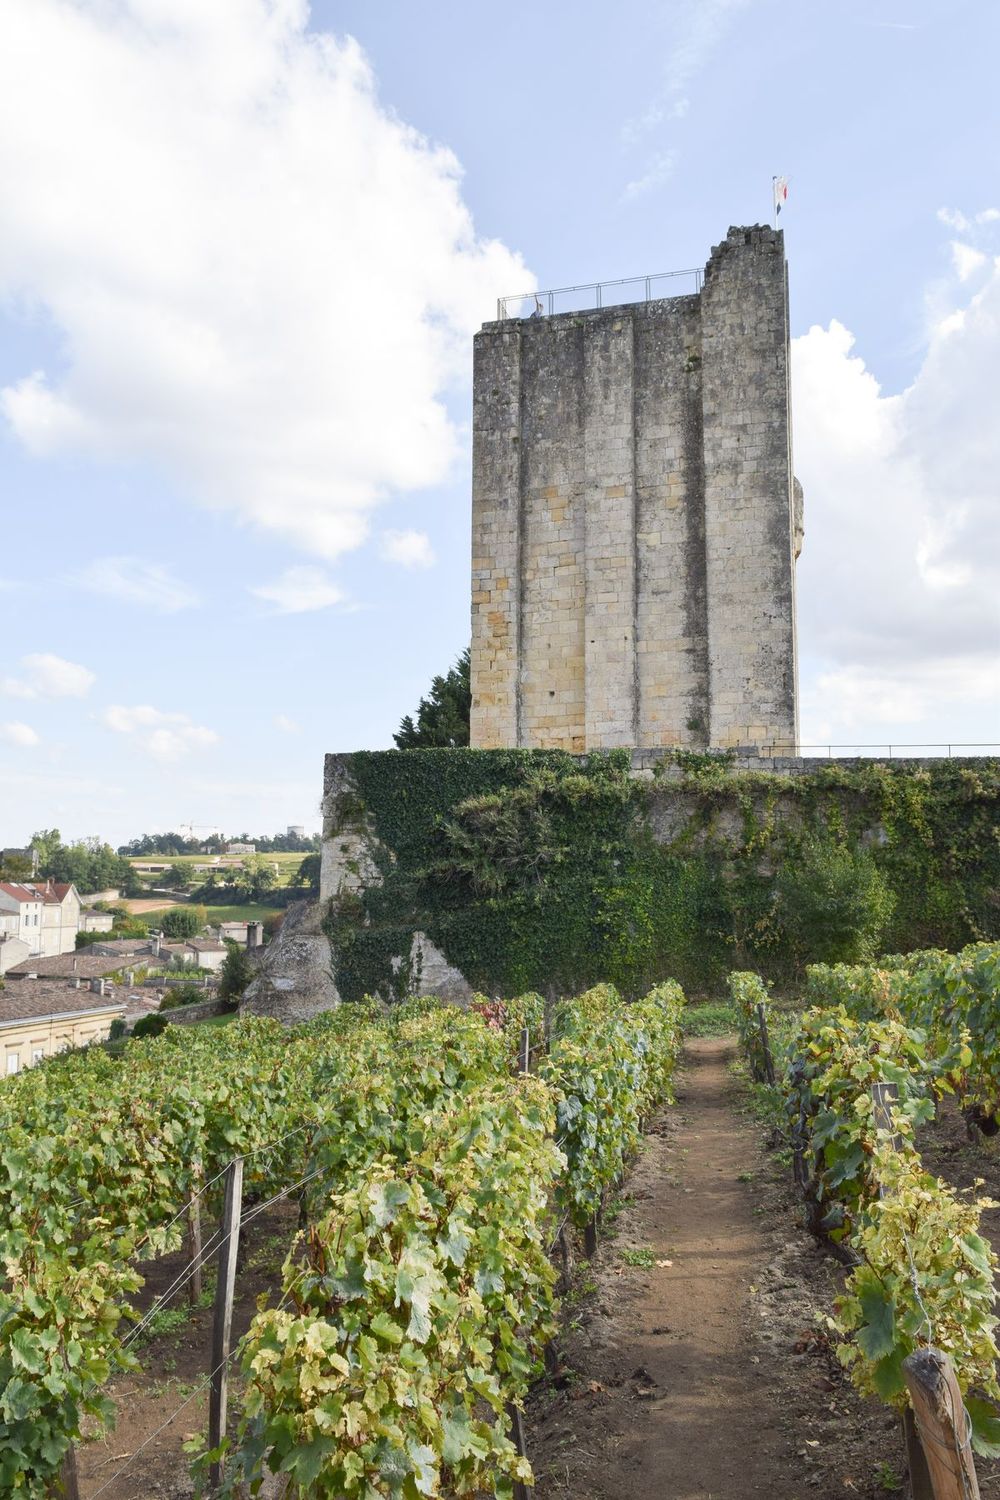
x=882, y=751
x=544, y=302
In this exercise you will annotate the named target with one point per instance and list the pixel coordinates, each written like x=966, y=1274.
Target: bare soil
x=707, y=1373
x=144, y=1455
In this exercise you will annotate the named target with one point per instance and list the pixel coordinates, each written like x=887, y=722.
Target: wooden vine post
x=517, y=1436
x=524, y=1051
x=765, y=1042
x=222, y=1325
x=194, y=1236
x=940, y=1419
x=68, y=1487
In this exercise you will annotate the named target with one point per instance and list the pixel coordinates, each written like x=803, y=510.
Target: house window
x=37, y=1054
x=13, y=1062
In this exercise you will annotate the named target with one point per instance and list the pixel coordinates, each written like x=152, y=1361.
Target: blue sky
x=243, y=250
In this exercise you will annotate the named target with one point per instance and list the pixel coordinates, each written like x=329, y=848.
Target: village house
x=96, y=921
x=196, y=953
x=43, y=915
x=39, y=1018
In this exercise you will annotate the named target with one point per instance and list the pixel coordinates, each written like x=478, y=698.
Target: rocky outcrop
x=295, y=980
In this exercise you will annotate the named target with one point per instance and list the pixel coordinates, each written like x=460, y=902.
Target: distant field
x=150, y=910
x=287, y=863
x=143, y=906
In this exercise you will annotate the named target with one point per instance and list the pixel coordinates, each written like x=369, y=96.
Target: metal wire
x=162, y=1428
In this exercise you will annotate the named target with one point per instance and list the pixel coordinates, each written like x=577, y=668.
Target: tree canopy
x=443, y=716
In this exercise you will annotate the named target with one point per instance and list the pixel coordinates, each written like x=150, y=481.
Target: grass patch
x=711, y=1018
x=226, y=1020
x=641, y=1257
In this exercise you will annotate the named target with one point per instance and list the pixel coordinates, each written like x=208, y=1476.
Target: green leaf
x=887, y=1374
x=985, y=1426
x=878, y=1335
x=387, y=1198
x=384, y=1327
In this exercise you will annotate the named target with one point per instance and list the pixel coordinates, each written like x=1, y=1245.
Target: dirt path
x=674, y=1389
x=714, y=1433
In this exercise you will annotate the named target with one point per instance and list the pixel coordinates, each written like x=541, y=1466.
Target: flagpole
x=774, y=200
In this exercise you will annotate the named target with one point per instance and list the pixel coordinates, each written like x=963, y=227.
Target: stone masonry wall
x=632, y=553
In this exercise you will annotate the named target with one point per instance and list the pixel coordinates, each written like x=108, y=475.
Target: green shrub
x=834, y=903
x=150, y=1025
x=183, y=921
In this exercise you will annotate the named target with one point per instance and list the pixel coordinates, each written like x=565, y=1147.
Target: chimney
x=156, y=944
x=253, y=935
x=74, y=965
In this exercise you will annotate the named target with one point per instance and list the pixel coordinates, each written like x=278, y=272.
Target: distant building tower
x=296, y=831
x=635, y=522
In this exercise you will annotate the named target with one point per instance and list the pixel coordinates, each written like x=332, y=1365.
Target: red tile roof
x=51, y=892
x=19, y=892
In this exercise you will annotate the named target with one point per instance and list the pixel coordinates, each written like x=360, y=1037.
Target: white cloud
x=955, y=219
x=695, y=29
x=411, y=549
x=166, y=736
x=988, y=216
x=966, y=259
x=297, y=590
x=47, y=676
x=15, y=733
x=286, y=725
x=899, y=581
x=658, y=169
x=209, y=206
x=136, y=582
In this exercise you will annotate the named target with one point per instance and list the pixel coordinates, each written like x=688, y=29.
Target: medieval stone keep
x=635, y=522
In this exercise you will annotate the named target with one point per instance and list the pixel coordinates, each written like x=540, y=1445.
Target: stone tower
x=635, y=522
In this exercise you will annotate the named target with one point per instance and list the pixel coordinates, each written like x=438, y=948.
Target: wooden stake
x=194, y=1238
x=765, y=1043
x=590, y=1237
x=564, y=1251
x=517, y=1434
x=942, y=1424
x=67, y=1486
x=524, y=1051
x=920, y=1479
x=223, y=1322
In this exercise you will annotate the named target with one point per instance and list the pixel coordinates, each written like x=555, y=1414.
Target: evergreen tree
x=443, y=716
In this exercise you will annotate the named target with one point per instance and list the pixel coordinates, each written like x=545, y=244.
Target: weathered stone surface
x=432, y=974
x=345, y=863
x=634, y=522
x=295, y=979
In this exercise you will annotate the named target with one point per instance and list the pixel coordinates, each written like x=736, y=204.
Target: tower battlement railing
x=544, y=303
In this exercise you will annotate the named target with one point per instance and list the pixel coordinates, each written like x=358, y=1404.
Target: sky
x=244, y=248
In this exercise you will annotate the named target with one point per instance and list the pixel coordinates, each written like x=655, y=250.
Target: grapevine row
x=100, y=1157
x=861, y=1076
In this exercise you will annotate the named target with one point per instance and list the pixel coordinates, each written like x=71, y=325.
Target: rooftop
x=82, y=965
x=40, y=999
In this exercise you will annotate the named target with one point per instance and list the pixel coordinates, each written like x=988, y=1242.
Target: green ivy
x=533, y=868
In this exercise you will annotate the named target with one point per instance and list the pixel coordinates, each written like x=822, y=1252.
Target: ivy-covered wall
x=531, y=868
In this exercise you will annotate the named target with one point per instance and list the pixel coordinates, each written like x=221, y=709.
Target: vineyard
x=866, y=1067
x=433, y=1178
x=450, y=1171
